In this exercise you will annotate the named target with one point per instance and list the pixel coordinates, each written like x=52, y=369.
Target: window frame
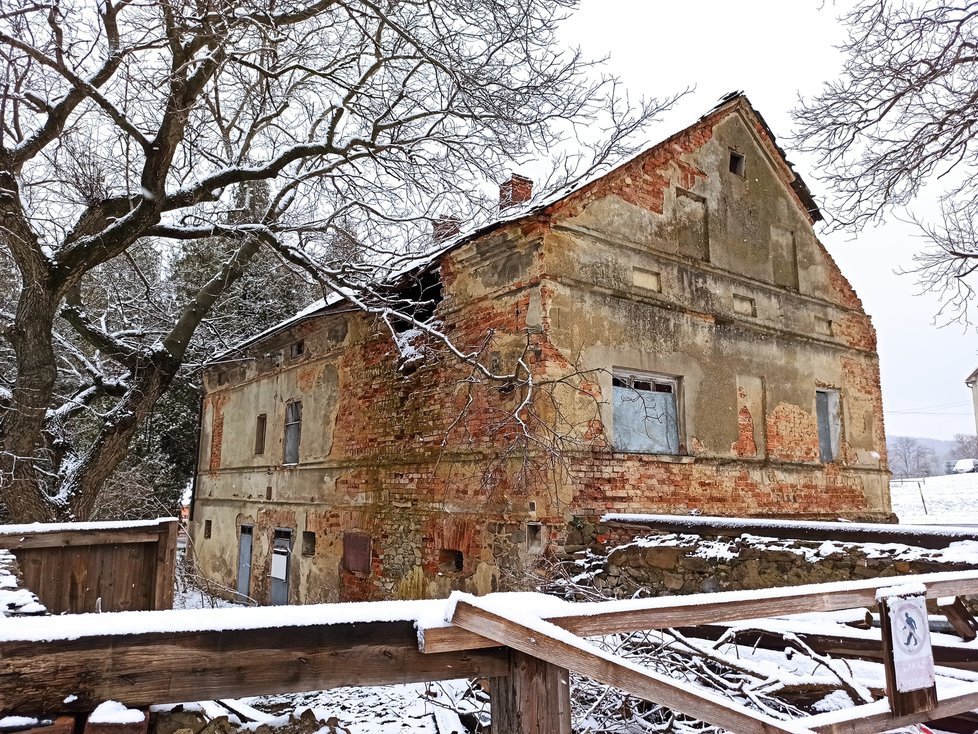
x=261, y=433
x=675, y=385
x=290, y=456
x=829, y=438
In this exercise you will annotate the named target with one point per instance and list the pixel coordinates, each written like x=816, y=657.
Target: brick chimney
x=445, y=227
x=518, y=190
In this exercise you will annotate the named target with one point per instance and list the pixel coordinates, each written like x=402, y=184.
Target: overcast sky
x=776, y=50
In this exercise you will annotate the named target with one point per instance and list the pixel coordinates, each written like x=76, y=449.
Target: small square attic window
x=737, y=163
x=297, y=349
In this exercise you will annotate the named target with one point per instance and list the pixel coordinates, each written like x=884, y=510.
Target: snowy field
x=947, y=500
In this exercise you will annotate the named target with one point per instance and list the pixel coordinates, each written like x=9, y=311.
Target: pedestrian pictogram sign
x=913, y=660
x=907, y=655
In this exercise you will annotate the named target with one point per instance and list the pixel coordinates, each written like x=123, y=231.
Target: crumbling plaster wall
x=372, y=454
x=621, y=292
x=422, y=462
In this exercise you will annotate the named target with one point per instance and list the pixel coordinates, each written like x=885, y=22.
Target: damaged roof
x=426, y=260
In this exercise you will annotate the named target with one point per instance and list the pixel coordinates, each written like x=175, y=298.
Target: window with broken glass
x=645, y=413
x=293, y=429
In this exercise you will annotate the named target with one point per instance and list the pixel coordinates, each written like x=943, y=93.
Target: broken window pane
x=645, y=415
x=293, y=428
x=829, y=424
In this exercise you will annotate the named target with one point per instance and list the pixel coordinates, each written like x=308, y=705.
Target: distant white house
x=970, y=382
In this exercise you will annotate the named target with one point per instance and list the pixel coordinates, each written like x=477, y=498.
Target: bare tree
x=265, y=127
x=903, y=114
x=910, y=458
x=965, y=447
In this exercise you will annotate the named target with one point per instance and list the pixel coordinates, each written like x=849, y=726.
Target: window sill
x=665, y=458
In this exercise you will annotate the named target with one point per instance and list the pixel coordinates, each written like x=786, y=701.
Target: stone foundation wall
x=660, y=565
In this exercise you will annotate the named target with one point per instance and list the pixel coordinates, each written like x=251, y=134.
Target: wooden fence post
x=166, y=553
x=534, y=698
x=907, y=657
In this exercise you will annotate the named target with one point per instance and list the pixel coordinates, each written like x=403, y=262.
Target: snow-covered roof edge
x=63, y=527
x=534, y=207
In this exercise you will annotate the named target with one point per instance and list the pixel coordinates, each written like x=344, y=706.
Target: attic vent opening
x=737, y=163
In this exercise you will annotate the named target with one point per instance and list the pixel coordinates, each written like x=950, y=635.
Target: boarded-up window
x=645, y=413
x=293, y=431
x=829, y=424
x=692, y=228
x=784, y=258
x=356, y=552
x=261, y=423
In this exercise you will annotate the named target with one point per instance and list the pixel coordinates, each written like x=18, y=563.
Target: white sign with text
x=913, y=661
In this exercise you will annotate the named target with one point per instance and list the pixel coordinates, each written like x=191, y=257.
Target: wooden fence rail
x=525, y=644
x=97, y=566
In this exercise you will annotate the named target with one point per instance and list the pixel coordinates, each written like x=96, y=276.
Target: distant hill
x=937, y=445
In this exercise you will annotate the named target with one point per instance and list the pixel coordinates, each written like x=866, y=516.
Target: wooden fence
x=97, y=566
x=525, y=644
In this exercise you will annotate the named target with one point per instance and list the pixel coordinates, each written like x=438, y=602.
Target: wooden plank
x=143, y=669
x=612, y=670
x=79, y=537
x=697, y=609
x=963, y=723
x=868, y=719
x=166, y=558
x=534, y=698
x=958, y=616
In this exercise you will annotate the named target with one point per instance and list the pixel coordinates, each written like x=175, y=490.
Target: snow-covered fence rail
x=97, y=566
x=525, y=643
x=73, y=663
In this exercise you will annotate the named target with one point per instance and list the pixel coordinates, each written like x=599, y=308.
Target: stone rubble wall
x=661, y=565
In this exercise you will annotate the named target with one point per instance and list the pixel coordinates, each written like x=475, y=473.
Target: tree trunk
x=22, y=426
x=83, y=483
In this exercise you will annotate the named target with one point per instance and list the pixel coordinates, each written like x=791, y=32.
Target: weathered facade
x=690, y=347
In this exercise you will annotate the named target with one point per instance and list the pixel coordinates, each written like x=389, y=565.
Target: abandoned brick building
x=680, y=342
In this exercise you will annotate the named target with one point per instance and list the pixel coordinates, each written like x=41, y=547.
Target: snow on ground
x=946, y=500
x=113, y=712
x=15, y=600
x=413, y=708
